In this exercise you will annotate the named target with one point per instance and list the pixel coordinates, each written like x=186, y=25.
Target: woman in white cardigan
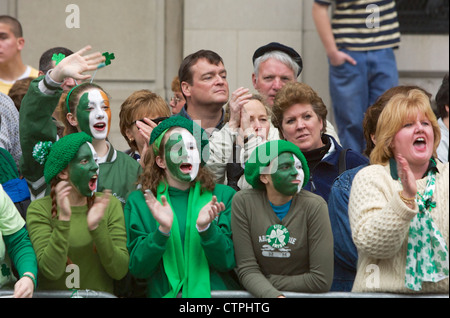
x=399, y=205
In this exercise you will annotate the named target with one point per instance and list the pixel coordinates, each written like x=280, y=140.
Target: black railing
x=227, y=294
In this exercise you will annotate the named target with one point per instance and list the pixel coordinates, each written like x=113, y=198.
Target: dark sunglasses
x=156, y=120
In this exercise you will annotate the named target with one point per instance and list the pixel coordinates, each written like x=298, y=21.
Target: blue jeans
x=353, y=88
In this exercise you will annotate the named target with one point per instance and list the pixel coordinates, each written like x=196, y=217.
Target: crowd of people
x=219, y=190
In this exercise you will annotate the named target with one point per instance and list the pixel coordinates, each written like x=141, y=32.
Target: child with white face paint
x=181, y=156
x=86, y=107
x=281, y=232
x=94, y=114
x=179, y=223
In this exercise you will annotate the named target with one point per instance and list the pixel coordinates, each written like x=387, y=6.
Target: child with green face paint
x=179, y=234
x=75, y=225
x=281, y=232
x=84, y=108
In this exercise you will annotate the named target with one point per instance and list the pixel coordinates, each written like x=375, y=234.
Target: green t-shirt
x=99, y=256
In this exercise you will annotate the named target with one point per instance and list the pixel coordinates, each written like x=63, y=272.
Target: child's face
x=94, y=114
x=182, y=155
x=83, y=170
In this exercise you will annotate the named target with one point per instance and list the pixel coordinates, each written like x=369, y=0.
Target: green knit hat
x=264, y=154
x=180, y=121
x=57, y=156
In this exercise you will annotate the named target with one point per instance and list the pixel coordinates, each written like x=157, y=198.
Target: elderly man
x=275, y=64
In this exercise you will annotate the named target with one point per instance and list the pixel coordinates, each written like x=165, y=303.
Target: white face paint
x=193, y=152
x=301, y=173
x=94, y=153
x=99, y=116
x=182, y=155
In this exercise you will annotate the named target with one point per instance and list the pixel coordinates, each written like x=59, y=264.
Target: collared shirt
x=394, y=172
x=183, y=112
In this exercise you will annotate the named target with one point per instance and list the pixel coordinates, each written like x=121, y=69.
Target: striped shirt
x=361, y=25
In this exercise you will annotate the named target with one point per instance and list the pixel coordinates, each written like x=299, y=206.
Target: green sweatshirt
x=147, y=244
x=100, y=255
x=272, y=255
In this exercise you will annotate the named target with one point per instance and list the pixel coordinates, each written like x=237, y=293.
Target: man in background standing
x=359, y=41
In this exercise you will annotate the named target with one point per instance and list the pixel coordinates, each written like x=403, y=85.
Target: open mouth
x=420, y=143
x=100, y=126
x=186, y=168
x=93, y=183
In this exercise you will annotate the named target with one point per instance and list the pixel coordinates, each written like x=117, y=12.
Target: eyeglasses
x=156, y=120
x=175, y=99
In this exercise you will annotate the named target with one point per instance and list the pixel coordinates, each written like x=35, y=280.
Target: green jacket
x=119, y=173
x=147, y=245
x=100, y=255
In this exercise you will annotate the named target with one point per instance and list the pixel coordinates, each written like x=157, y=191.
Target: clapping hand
x=406, y=177
x=97, y=211
x=62, y=191
x=209, y=212
x=162, y=212
x=238, y=99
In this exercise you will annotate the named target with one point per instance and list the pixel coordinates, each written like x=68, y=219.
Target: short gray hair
x=279, y=56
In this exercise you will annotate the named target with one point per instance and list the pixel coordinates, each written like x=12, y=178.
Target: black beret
x=275, y=46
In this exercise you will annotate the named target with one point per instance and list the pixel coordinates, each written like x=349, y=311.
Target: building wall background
x=150, y=38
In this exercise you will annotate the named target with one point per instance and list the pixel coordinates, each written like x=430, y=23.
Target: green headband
x=264, y=154
x=68, y=96
x=157, y=142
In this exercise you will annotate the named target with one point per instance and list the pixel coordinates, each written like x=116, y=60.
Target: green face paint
x=287, y=174
x=182, y=155
x=83, y=114
x=83, y=170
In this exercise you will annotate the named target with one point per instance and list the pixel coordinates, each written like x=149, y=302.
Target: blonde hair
x=400, y=108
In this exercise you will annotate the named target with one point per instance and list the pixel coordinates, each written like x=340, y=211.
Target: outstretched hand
x=209, y=212
x=162, y=213
x=76, y=64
